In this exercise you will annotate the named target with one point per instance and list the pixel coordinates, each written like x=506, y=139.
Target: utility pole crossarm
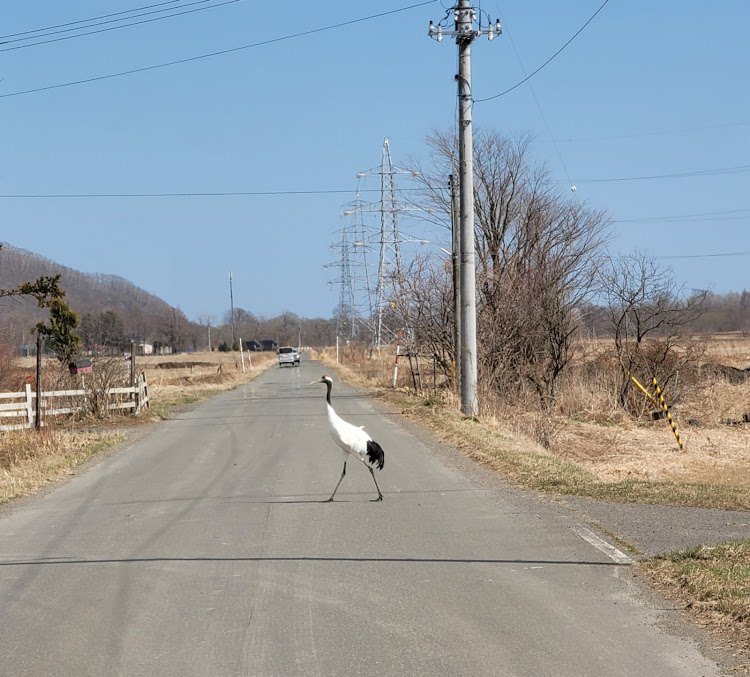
x=464, y=17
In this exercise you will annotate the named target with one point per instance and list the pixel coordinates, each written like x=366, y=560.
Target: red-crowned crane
x=353, y=441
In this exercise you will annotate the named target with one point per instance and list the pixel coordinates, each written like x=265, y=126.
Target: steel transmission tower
x=346, y=312
x=389, y=261
x=464, y=17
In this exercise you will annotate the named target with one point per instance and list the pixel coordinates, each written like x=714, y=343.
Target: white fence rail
x=22, y=406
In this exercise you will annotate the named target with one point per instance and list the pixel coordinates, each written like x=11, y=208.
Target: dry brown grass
x=30, y=459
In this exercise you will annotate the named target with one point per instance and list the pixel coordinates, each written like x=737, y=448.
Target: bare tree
x=422, y=303
x=537, y=253
x=643, y=301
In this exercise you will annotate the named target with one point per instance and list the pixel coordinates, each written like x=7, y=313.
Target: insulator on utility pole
x=464, y=17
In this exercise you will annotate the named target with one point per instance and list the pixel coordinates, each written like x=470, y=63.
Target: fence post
x=419, y=373
x=411, y=369
x=29, y=408
x=144, y=389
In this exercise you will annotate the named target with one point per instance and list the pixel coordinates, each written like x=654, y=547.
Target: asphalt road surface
x=205, y=549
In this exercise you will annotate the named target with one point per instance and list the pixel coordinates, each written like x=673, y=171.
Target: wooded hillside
x=112, y=311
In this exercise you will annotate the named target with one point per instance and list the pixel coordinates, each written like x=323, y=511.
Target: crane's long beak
x=312, y=383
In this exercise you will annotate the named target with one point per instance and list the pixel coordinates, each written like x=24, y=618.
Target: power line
x=113, y=28
x=688, y=217
x=704, y=172
x=56, y=196
x=82, y=21
x=219, y=53
x=528, y=77
x=664, y=132
x=704, y=256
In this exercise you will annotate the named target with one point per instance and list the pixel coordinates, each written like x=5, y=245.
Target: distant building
x=253, y=346
x=146, y=348
x=160, y=348
x=269, y=344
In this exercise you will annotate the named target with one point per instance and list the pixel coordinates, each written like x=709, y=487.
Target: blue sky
x=647, y=89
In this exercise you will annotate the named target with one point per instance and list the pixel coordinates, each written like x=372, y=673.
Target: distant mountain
x=143, y=315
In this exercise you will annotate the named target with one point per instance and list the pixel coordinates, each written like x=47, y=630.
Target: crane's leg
x=343, y=472
x=380, y=495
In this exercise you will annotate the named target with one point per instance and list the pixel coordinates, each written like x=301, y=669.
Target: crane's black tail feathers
x=375, y=454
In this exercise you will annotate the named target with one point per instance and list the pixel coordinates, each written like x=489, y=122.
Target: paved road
x=203, y=549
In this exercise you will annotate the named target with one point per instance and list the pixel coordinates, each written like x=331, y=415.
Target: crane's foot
x=379, y=498
x=328, y=500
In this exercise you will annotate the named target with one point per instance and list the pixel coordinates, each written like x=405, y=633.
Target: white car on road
x=288, y=355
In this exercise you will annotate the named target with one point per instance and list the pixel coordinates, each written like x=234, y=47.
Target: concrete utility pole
x=231, y=306
x=464, y=16
x=456, y=260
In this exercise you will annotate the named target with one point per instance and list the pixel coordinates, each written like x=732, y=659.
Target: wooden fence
x=56, y=402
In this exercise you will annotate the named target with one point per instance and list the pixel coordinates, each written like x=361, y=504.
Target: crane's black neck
x=328, y=393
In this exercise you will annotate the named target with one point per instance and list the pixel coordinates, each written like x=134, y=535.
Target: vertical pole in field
x=231, y=305
x=133, y=395
x=242, y=356
x=464, y=16
x=132, y=364
x=395, y=365
x=456, y=260
x=38, y=403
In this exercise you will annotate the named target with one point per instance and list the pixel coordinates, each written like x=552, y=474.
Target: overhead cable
x=95, y=18
x=528, y=77
x=218, y=53
x=114, y=28
x=704, y=172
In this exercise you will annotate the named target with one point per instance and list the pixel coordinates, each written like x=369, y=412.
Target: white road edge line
x=602, y=545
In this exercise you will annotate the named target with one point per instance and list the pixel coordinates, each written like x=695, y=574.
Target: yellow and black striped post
x=665, y=407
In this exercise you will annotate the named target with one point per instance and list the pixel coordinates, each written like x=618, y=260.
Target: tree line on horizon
x=111, y=312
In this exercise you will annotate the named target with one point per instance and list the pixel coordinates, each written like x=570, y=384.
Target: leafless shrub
x=422, y=296
x=108, y=372
x=649, y=317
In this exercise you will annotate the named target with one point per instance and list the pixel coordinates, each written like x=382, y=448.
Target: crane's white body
x=353, y=441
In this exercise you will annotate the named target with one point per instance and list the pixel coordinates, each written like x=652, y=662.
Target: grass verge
x=527, y=465
x=713, y=583
x=31, y=459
